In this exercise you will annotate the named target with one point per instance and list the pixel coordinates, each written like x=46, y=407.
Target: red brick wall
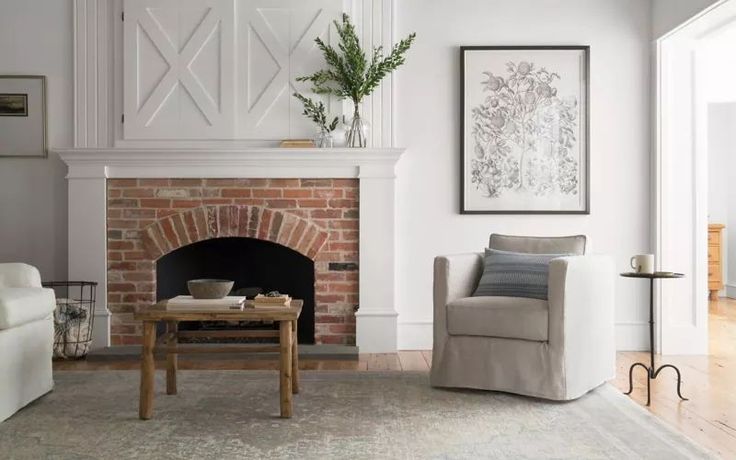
x=147, y=218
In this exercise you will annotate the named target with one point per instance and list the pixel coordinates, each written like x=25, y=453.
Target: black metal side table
x=653, y=372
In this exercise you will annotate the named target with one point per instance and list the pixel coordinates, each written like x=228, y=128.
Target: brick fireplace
x=129, y=206
x=318, y=218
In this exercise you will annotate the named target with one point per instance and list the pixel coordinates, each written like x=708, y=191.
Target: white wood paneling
x=93, y=52
x=178, y=69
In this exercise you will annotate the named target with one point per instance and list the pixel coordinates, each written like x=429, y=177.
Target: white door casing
x=681, y=182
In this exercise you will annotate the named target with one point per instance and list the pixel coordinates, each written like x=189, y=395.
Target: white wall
x=427, y=122
x=36, y=38
x=721, y=190
x=668, y=14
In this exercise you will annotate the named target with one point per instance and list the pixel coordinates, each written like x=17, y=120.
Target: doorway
x=696, y=67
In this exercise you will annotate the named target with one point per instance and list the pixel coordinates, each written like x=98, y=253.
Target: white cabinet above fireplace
x=219, y=69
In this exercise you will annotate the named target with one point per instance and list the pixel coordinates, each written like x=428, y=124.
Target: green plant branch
x=317, y=113
x=349, y=73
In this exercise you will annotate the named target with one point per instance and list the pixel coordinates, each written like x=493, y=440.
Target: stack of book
x=262, y=301
x=189, y=303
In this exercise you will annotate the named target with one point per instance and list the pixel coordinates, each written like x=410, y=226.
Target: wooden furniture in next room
x=287, y=345
x=715, y=264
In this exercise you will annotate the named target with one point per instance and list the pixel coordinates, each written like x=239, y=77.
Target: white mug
x=643, y=263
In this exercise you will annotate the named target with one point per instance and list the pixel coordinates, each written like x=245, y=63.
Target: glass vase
x=357, y=131
x=323, y=139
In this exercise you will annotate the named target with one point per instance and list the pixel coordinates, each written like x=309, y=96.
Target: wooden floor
x=709, y=418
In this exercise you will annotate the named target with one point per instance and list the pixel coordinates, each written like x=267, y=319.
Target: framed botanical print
x=22, y=116
x=524, y=130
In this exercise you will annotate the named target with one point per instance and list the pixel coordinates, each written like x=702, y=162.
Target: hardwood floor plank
x=383, y=362
x=427, y=354
x=413, y=361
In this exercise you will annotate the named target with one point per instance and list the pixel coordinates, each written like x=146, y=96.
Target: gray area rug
x=234, y=414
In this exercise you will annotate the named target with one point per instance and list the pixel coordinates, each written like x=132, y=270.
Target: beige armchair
x=556, y=349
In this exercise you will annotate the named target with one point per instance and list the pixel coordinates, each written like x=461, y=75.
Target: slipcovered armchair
x=556, y=349
x=26, y=337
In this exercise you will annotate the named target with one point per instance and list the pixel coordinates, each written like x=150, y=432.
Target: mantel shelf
x=261, y=162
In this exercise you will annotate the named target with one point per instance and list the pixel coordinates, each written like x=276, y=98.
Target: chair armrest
x=18, y=275
x=455, y=276
x=581, y=316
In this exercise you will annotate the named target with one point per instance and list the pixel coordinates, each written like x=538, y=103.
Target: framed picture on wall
x=524, y=130
x=23, y=116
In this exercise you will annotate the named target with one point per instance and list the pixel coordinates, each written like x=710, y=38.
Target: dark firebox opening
x=251, y=263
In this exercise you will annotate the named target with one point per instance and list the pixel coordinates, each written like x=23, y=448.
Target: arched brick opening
x=206, y=222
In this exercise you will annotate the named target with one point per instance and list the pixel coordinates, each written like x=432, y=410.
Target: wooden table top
x=158, y=312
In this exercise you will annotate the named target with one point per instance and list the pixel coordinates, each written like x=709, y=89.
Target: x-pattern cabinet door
x=275, y=45
x=178, y=69
x=222, y=69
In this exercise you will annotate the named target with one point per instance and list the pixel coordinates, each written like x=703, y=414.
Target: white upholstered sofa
x=556, y=349
x=26, y=337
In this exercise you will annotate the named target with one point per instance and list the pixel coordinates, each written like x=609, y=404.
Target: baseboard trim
x=632, y=336
x=730, y=290
x=415, y=335
x=101, y=330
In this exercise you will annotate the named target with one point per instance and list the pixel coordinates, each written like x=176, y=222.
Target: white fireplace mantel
x=89, y=168
x=219, y=163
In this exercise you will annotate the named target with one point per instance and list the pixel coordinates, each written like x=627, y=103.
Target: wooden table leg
x=294, y=359
x=171, y=358
x=285, y=367
x=145, y=409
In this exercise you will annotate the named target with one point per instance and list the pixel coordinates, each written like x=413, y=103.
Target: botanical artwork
x=524, y=134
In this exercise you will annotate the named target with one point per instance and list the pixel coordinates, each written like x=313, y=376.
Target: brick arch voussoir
x=220, y=221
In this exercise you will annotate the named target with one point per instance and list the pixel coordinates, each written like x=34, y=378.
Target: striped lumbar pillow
x=515, y=274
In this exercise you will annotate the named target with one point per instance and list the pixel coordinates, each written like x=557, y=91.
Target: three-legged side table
x=652, y=371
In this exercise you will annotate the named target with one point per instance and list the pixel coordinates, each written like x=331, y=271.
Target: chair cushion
x=23, y=305
x=515, y=274
x=574, y=245
x=506, y=317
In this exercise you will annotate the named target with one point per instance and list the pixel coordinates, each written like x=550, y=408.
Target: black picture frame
x=585, y=128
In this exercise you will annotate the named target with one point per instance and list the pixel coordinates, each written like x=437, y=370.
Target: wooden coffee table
x=169, y=343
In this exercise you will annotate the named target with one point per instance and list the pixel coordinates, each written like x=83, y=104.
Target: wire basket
x=74, y=317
